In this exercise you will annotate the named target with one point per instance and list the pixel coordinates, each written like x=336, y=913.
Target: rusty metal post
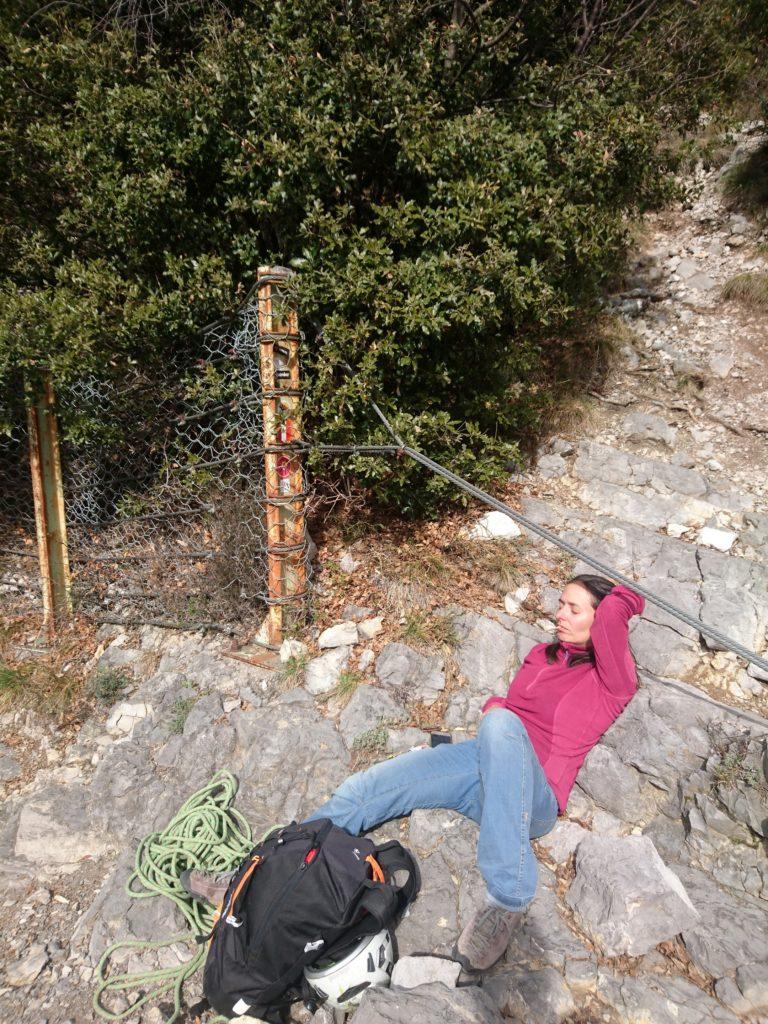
x=50, y=519
x=285, y=491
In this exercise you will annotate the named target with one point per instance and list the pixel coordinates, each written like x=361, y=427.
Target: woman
x=515, y=777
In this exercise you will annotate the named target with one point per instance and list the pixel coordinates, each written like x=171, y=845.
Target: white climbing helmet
x=341, y=983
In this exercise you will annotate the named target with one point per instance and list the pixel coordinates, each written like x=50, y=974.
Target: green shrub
x=107, y=686
x=453, y=189
x=180, y=714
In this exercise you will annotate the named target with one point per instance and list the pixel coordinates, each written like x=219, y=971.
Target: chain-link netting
x=20, y=589
x=165, y=491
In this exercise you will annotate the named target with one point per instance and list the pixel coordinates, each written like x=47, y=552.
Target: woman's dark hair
x=597, y=587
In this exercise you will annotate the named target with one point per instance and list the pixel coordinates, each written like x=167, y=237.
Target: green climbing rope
x=207, y=833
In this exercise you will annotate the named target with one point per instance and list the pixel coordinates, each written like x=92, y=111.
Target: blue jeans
x=496, y=780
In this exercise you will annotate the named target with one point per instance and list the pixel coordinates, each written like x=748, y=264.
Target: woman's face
x=575, y=615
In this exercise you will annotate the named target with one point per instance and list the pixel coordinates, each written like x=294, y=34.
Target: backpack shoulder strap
x=393, y=857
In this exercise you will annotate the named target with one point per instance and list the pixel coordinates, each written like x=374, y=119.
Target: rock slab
x=423, y=675
x=625, y=897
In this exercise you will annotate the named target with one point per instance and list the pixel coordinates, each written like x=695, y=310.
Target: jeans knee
x=500, y=722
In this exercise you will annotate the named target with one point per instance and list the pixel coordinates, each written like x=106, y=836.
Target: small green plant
x=429, y=630
x=371, y=745
x=348, y=681
x=11, y=680
x=291, y=672
x=732, y=770
x=180, y=714
x=108, y=685
x=732, y=753
x=750, y=289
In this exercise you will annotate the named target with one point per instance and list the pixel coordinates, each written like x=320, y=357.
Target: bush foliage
x=451, y=179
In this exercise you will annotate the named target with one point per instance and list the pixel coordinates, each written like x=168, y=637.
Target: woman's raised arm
x=610, y=641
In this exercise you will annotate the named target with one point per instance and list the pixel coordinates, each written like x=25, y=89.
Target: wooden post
x=279, y=337
x=50, y=520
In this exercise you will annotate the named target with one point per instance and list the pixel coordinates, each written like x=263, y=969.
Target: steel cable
x=571, y=549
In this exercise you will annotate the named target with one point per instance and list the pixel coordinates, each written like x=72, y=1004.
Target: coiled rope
x=206, y=833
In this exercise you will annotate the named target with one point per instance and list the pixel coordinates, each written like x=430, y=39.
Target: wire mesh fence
x=19, y=579
x=166, y=493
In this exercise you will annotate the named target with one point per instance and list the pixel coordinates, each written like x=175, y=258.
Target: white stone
x=365, y=660
x=563, y=840
x=721, y=364
x=676, y=529
x=343, y=634
x=494, y=524
x=513, y=602
x=412, y=971
x=126, y=716
x=369, y=628
x=711, y=537
x=322, y=673
x=292, y=649
x=347, y=563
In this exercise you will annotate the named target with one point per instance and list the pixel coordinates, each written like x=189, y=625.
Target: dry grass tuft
x=290, y=674
x=432, y=631
x=750, y=289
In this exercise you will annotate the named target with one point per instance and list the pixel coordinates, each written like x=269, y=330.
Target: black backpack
x=305, y=893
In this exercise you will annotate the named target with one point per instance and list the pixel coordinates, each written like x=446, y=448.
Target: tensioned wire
x=607, y=570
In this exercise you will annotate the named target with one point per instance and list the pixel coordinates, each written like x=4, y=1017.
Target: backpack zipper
x=292, y=882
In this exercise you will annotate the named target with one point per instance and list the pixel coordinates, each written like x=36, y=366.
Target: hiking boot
x=203, y=885
x=486, y=937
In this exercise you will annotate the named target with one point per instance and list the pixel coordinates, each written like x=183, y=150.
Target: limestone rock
x=625, y=897
x=26, y=970
x=752, y=980
x=412, y=971
x=611, y=784
x=292, y=649
x=427, y=1004
x=550, y=466
x=721, y=540
x=55, y=828
x=126, y=716
x=400, y=666
x=641, y=426
x=368, y=707
x=10, y=768
x=494, y=524
x=366, y=659
x=347, y=563
x=343, y=634
x=369, y=628
x=485, y=653
x=563, y=840
x=733, y=929
x=322, y=674
x=545, y=996
x=660, y=999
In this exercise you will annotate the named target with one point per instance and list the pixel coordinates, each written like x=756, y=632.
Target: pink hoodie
x=566, y=710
